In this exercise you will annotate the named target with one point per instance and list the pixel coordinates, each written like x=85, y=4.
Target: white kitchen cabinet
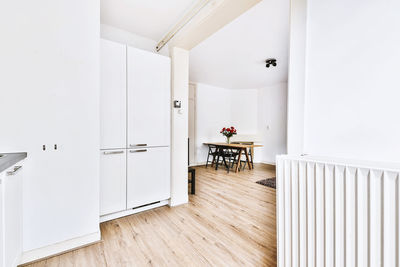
x=113, y=95
x=11, y=216
x=148, y=98
x=1, y=221
x=148, y=178
x=112, y=181
x=135, y=130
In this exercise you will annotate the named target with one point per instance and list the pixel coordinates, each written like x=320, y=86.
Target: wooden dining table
x=241, y=146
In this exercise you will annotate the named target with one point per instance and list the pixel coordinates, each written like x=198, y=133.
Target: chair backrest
x=212, y=148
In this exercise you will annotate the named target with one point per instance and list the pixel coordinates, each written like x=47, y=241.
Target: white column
x=297, y=77
x=179, y=126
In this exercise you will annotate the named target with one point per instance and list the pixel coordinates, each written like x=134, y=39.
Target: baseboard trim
x=197, y=164
x=271, y=165
x=59, y=248
x=124, y=213
x=178, y=203
x=268, y=163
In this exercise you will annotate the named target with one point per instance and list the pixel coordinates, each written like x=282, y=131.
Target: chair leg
x=251, y=158
x=223, y=158
x=208, y=156
x=234, y=160
x=216, y=164
x=213, y=159
x=193, y=184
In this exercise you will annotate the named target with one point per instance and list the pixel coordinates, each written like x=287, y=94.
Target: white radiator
x=337, y=213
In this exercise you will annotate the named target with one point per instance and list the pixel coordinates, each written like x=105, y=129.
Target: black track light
x=269, y=62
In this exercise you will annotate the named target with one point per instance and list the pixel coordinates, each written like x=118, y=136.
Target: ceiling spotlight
x=269, y=62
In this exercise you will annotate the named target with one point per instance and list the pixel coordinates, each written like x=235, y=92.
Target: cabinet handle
x=137, y=151
x=13, y=172
x=138, y=145
x=113, y=152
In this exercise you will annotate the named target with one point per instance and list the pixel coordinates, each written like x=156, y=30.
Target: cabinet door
x=148, y=176
x=12, y=215
x=112, y=181
x=148, y=98
x=113, y=95
x=1, y=220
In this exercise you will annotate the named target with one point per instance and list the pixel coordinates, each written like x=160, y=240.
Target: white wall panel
x=390, y=220
x=303, y=214
x=337, y=212
x=362, y=217
x=295, y=210
x=288, y=215
x=311, y=214
x=329, y=215
x=376, y=180
x=340, y=218
x=320, y=214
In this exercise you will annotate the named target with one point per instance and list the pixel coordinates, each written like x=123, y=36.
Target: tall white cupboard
x=135, y=129
x=11, y=206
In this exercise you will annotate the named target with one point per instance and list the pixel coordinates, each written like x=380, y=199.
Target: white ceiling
x=234, y=56
x=148, y=18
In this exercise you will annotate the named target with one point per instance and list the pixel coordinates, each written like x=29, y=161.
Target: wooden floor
x=229, y=222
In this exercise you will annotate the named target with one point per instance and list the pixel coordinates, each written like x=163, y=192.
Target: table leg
x=247, y=158
x=216, y=164
x=238, y=164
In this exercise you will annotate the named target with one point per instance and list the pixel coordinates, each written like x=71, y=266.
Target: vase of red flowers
x=228, y=133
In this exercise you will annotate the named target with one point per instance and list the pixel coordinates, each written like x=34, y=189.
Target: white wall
x=124, y=37
x=179, y=126
x=272, y=121
x=258, y=114
x=49, y=95
x=352, y=86
x=243, y=111
x=213, y=112
x=296, y=77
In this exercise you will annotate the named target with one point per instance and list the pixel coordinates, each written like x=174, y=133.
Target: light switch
x=177, y=104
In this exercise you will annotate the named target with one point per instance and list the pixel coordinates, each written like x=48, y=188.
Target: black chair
x=227, y=157
x=232, y=155
x=212, y=151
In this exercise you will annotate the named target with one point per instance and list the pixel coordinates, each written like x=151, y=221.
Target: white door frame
x=192, y=123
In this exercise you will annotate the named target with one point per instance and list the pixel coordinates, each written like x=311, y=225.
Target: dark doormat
x=270, y=182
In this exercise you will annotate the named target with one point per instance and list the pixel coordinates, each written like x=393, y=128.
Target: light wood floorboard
x=229, y=222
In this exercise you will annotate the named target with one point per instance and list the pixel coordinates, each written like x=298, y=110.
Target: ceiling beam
x=212, y=17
